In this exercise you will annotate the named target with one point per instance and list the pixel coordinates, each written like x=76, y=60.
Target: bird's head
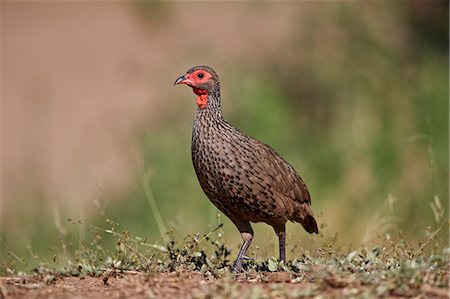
x=203, y=81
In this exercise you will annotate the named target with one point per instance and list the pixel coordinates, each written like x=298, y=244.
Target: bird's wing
x=284, y=179
x=289, y=188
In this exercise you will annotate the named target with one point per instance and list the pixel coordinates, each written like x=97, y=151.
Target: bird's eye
x=200, y=75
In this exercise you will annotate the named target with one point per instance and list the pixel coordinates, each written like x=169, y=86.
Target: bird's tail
x=310, y=224
x=305, y=217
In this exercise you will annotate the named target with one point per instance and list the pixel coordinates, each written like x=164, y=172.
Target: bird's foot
x=237, y=267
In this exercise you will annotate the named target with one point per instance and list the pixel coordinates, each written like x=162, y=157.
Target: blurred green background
x=353, y=95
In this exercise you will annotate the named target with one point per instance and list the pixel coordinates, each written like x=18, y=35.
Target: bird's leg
x=237, y=265
x=247, y=236
x=281, y=233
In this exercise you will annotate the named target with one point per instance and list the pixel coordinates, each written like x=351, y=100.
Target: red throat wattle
x=202, y=99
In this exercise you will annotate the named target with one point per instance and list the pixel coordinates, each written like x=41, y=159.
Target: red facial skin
x=193, y=81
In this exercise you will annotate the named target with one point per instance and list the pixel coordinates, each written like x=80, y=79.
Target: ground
x=186, y=268
x=193, y=284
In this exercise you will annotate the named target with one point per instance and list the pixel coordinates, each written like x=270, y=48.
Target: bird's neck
x=211, y=110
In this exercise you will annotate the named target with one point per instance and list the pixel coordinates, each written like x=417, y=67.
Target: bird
x=243, y=177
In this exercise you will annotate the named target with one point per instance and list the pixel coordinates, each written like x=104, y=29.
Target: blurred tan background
x=78, y=77
x=354, y=95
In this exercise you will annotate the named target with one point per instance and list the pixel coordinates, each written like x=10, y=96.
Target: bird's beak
x=183, y=80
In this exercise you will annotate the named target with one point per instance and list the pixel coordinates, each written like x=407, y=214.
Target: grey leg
x=247, y=236
x=281, y=233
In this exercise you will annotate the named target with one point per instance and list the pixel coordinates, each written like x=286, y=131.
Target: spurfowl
x=243, y=177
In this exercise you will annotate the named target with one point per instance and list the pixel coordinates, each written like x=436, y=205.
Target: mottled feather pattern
x=245, y=178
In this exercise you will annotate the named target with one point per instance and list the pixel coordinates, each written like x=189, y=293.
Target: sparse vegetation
x=353, y=95
x=395, y=267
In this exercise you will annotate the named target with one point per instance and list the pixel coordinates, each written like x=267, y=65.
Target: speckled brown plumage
x=243, y=177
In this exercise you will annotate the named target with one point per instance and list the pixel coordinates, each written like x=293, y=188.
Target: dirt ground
x=190, y=284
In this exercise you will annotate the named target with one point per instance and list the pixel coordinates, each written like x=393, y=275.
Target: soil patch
x=192, y=284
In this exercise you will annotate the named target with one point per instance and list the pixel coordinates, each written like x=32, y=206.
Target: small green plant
x=394, y=266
